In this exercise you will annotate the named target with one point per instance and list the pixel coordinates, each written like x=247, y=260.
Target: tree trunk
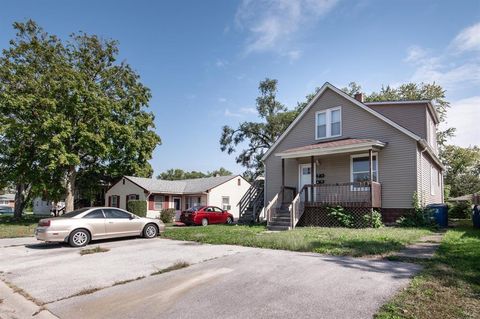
x=70, y=186
x=20, y=202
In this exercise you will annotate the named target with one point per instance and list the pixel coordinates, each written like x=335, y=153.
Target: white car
x=81, y=226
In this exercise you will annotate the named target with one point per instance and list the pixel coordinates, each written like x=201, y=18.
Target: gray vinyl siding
x=423, y=175
x=410, y=116
x=397, y=161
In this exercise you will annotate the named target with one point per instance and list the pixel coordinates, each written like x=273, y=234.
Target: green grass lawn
x=12, y=228
x=449, y=285
x=332, y=241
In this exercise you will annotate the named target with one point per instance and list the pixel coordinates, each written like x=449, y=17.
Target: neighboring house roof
x=428, y=102
x=10, y=197
x=186, y=186
x=338, y=146
x=349, y=98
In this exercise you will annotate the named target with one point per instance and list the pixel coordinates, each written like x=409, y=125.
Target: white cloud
x=228, y=113
x=450, y=68
x=248, y=110
x=415, y=53
x=222, y=100
x=221, y=63
x=464, y=115
x=271, y=24
x=242, y=112
x=468, y=39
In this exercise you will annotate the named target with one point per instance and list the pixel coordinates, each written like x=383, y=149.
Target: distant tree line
x=179, y=174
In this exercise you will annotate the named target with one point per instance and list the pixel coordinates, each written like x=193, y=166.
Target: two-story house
x=362, y=156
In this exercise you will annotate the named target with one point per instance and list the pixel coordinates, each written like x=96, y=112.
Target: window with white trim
x=360, y=167
x=432, y=180
x=328, y=123
x=226, y=203
x=158, y=202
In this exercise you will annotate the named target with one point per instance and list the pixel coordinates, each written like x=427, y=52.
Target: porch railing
x=357, y=194
x=271, y=208
x=296, y=210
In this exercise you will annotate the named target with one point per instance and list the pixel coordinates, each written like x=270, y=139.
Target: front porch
x=322, y=181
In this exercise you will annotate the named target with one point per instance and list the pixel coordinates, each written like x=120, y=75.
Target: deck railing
x=357, y=194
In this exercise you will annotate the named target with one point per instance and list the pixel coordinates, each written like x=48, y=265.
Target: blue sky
x=203, y=59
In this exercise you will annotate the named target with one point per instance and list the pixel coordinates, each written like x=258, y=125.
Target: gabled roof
x=187, y=186
x=349, y=98
x=428, y=102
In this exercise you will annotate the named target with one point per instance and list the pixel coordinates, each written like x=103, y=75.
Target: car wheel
x=150, y=231
x=229, y=220
x=204, y=222
x=79, y=238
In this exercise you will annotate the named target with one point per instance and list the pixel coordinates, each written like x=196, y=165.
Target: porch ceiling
x=347, y=145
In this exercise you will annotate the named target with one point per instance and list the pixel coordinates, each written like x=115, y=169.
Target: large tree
x=179, y=174
x=462, y=175
x=70, y=109
x=259, y=136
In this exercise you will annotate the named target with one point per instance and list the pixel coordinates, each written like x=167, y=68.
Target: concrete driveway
x=222, y=281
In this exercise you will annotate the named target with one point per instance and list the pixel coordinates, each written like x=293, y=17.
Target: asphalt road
x=221, y=282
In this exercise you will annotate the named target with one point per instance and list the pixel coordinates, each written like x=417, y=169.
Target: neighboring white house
x=44, y=207
x=222, y=191
x=7, y=200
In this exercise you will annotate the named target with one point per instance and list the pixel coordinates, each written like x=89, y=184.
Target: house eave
x=333, y=150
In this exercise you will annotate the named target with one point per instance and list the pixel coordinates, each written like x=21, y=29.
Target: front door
x=177, y=205
x=304, y=175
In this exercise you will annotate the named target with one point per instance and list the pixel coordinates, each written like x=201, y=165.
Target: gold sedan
x=81, y=226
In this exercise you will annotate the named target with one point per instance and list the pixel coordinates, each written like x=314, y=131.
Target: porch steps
x=281, y=220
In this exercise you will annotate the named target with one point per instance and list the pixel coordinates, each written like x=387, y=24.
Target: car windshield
x=194, y=208
x=74, y=213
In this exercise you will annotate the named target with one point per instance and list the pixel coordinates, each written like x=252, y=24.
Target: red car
x=204, y=215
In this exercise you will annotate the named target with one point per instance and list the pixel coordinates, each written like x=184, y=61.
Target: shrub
x=342, y=216
x=460, y=210
x=166, y=215
x=419, y=217
x=374, y=219
x=137, y=207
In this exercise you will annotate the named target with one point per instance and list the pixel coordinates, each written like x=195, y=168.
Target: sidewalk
x=423, y=249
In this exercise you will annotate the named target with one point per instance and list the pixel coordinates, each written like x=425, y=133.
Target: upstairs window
x=328, y=123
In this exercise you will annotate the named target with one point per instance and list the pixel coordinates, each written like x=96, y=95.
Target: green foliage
x=462, y=175
x=419, y=217
x=179, y=174
x=69, y=110
x=137, y=207
x=373, y=219
x=460, y=210
x=342, y=216
x=260, y=136
x=167, y=215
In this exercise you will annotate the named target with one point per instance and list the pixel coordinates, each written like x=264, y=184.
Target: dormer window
x=328, y=123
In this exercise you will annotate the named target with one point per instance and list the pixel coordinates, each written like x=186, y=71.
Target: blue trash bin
x=440, y=214
x=476, y=216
